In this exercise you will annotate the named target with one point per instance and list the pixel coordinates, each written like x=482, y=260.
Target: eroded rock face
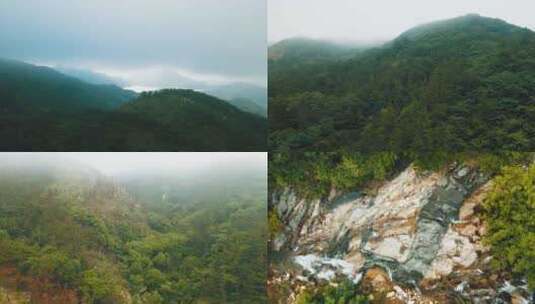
x=324, y=268
x=419, y=228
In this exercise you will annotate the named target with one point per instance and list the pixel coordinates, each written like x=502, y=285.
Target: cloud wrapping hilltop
x=379, y=20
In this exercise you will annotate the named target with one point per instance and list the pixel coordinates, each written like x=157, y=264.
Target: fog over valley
x=130, y=164
x=132, y=227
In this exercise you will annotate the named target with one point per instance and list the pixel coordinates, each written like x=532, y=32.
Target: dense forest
x=464, y=84
x=314, y=174
x=72, y=235
x=44, y=110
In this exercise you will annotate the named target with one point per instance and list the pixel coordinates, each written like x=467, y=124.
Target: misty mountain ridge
x=42, y=109
x=465, y=83
x=315, y=49
x=90, y=76
x=247, y=97
x=25, y=85
x=310, y=49
x=468, y=22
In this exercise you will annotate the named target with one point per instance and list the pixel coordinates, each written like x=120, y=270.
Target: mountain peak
x=467, y=23
x=472, y=15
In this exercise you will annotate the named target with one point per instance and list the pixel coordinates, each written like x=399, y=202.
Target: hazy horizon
x=361, y=21
x=118, y=163
x=137, y=43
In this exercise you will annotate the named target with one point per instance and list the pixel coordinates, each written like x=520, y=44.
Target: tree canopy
x=465, y=84
x=104, y=243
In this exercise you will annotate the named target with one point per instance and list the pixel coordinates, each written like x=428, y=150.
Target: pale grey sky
x=116, y=163
x=380, y=20
x=124, y=162
x=206, y=40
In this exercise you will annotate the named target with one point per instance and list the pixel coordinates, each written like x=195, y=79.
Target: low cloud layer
x=380, y=20
x=184, y=163
x=209, y=39
x=133, y=162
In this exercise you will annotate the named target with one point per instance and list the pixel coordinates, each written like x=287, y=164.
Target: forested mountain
x=305, y=50
x=462, y=84
x=27, y=87
x=249, y=106
x=249, y=98
x=44, y=110
x=70, y=234
x=199, y=120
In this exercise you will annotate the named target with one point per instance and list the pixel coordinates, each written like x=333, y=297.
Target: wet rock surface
x=417, y=239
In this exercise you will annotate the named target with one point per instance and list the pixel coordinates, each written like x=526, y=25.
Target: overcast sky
x=123, y=163
x=206, y=40
x=380, y=20
x=117, y=163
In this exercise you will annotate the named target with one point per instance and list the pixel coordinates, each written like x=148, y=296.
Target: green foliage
x=462, y=85
x=186, y=113
x=154, y=278
x=152, y=298
x=509, y=209
x=314, y=174
x=346, y=293
x=274, y=224
x=99, y=285
x=15, y=251
x=492, y=163
x=161, y=260
x=81, y=232
x=55, y=264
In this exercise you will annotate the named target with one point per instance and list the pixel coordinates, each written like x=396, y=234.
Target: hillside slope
x=249, y=106
x=460, y=84
x=44, y=110
x=29, y=87
x=72, y=235
x=256, y=94
x=200, y=121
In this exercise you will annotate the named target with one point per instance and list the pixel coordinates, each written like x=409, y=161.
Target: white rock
x=326, y=268
x=395, y=247
x=455, y=250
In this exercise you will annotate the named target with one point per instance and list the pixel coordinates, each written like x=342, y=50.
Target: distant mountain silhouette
x=44, y=110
